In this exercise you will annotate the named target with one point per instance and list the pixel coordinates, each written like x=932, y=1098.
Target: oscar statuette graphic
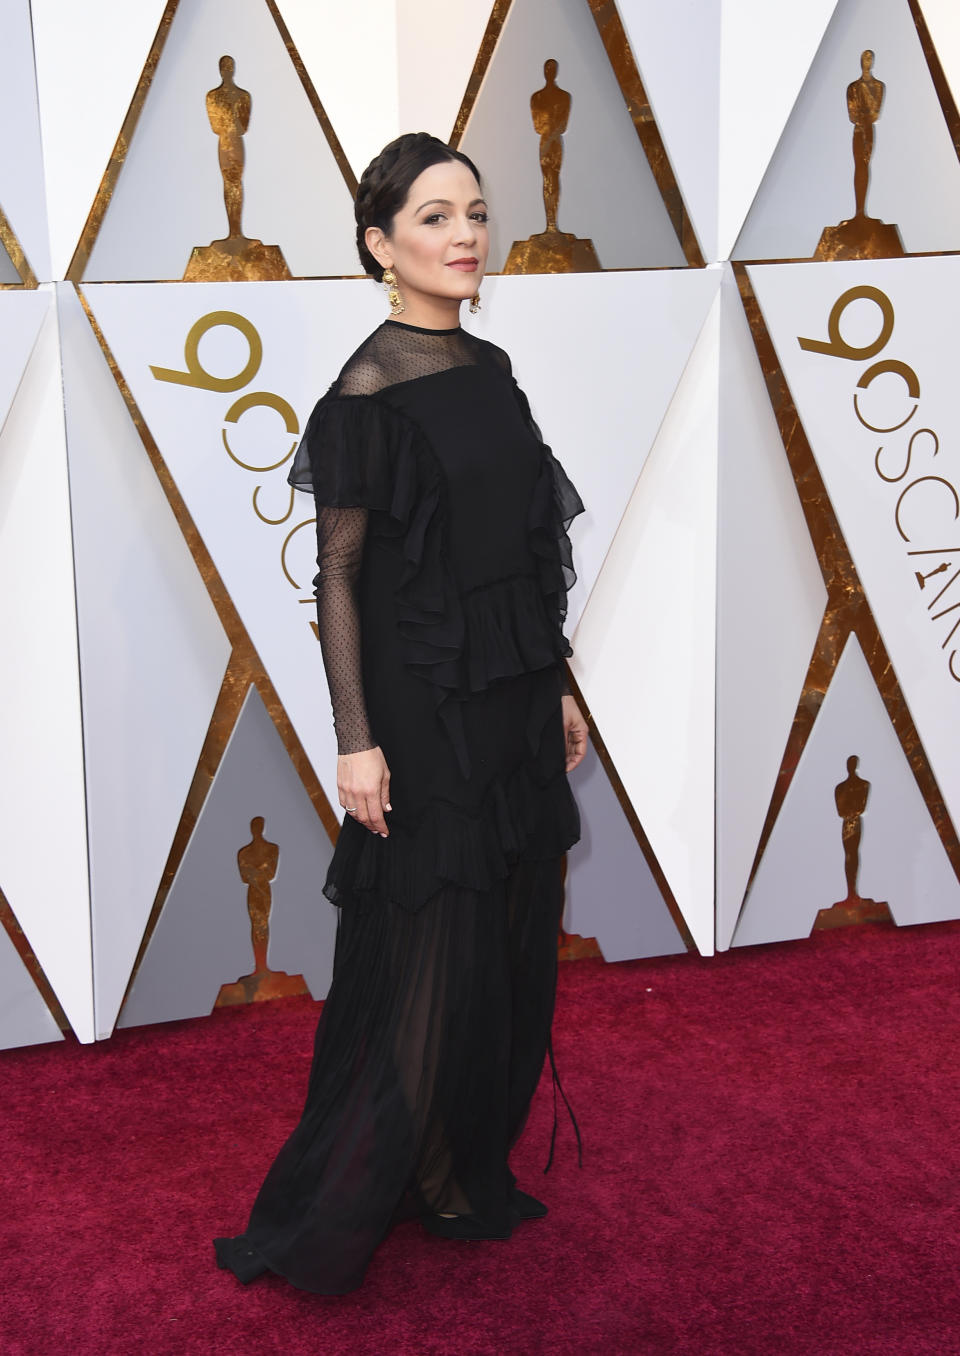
x=552, y=250
x=862, y=237
x=257, y=863
x=234, y=258
x=851, y=797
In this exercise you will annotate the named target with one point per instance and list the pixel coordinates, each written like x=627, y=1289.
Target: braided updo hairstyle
x=386, y=181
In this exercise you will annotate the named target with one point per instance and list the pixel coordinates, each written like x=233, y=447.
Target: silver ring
x=350, y=809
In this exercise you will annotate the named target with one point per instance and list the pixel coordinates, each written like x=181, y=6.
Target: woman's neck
x=430, y=313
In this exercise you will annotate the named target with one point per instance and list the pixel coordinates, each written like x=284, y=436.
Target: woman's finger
x=375, y=819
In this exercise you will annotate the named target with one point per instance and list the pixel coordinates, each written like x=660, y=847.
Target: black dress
x=441, y=594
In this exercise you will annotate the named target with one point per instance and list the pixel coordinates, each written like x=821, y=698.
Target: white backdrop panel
x=169, y=196
x=765, y=53
x=25, y=1018
x=902, y=860
x=152, y=656
x=770, y=600
x=21, y=315
x=644, y=649
x=914, y=173
x=501, y=140
x=899, y=506
x=434, y=60
x=676, y=49
x=77, y=69
x=599, y=356
x=21, y=159
x=307, y=331
x=350, y=54
x=42, y=817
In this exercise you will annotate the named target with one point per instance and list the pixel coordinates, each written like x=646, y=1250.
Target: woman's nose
x=467, y=231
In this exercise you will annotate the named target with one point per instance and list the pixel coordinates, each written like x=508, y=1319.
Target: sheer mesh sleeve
x=341, y=533
x=347, y=460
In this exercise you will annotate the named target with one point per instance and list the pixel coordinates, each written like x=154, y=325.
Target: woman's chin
x=463, y=286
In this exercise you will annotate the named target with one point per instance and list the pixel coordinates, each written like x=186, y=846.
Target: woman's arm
x=363, y=779
x=341, y=533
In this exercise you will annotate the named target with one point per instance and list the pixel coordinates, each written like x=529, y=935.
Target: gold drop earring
x=393, y=292
x=475, y=303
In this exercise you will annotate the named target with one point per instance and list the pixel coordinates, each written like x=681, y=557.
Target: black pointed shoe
x=524, y=1206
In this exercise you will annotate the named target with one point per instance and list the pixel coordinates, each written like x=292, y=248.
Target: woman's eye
x=482, y=217
x=433, y=218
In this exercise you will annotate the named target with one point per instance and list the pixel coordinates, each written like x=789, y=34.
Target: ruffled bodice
x=432, y=484
x=467, y=617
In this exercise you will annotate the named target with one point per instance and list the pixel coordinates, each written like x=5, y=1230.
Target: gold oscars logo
x=195, y=374
x=552, y=250
x=927, y=505
x=235, y=258
x=862, y=237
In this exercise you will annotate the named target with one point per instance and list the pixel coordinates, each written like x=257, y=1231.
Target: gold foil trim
x=613, y=35
x=491, y=36
x=17, y=257
x=10, y=925
x=951, y=115
x=847, y=611
x=91, y=229
x=643, y=842
x=236, y=684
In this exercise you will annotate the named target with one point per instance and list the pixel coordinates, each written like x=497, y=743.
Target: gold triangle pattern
x=101, y=202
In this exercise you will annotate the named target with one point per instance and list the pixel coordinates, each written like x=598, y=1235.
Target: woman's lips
x=464, y=265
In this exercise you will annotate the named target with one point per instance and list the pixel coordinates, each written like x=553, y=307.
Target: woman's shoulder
x=365, y=372
x=492, y=353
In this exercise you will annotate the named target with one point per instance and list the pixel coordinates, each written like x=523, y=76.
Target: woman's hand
x=363, y=784
x=574, y=732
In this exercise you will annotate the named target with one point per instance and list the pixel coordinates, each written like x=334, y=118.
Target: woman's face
x=438, y=244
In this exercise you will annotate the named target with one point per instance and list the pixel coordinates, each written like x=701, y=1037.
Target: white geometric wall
x=748, y=612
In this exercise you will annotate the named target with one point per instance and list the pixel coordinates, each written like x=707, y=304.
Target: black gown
x=444, y=565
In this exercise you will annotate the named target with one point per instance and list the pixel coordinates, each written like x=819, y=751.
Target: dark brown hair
x=386, y=181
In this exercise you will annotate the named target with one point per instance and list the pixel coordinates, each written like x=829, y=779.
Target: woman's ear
x=379, y=246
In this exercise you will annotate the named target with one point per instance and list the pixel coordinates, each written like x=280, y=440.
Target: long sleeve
x=341, y=533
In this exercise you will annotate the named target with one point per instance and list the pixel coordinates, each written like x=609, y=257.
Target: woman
x=444, y=565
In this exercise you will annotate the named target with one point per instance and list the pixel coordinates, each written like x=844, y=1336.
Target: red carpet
x=772, y=1160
